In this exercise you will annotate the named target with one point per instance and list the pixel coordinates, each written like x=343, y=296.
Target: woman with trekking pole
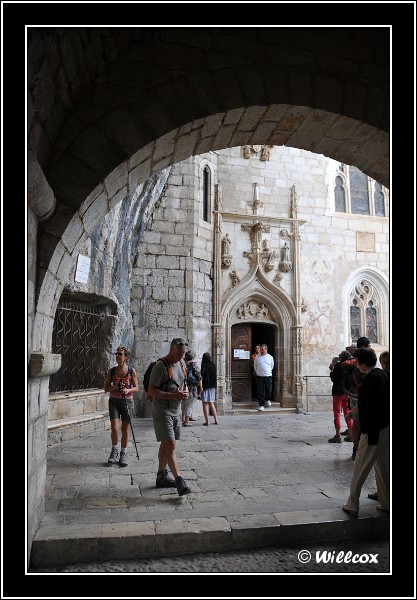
x=121, y=382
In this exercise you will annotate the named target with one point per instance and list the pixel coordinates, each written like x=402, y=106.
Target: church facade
x=262, y=244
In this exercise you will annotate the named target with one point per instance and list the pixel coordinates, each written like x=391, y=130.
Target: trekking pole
x=122, y=391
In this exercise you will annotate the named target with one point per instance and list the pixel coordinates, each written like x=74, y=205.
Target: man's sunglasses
x=120, y=354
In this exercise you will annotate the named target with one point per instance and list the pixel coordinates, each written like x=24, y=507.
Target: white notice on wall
x=83, y=269
x=241, y=354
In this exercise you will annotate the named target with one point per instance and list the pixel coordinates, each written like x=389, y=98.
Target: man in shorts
x=167, y=394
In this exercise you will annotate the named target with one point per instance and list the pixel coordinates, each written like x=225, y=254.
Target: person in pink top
x=121, y=382
x=340, y=398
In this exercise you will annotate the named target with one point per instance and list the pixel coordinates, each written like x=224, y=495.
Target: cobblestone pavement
x=326, y=558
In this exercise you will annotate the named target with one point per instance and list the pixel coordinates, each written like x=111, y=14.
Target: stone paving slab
x=256, y=480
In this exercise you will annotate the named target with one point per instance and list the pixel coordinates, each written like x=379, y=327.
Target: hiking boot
x=345, y=432
x=348, y=439
x=182, y=487
x=114, y=455
x=335, y=440
x=123, y=459
x=163, y=480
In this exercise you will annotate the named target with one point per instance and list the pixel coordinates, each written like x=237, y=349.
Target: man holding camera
x=121, y=382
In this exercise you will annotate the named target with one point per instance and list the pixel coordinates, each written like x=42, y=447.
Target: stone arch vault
x=108, y=107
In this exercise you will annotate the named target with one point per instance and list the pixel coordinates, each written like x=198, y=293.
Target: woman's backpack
x=191, y=378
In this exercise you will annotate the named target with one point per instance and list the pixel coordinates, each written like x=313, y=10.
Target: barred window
x=79, y=335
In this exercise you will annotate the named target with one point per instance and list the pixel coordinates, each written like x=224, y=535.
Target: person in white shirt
x=263, y=365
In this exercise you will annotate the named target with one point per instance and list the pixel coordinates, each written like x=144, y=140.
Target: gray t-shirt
x=159, y=379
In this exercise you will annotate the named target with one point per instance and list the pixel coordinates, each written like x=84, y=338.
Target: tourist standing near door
x=263, y=365
x=253, y=374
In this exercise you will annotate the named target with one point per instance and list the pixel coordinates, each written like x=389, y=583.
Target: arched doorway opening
x=244, y=337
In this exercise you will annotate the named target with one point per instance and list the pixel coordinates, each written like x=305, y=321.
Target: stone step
x=68, y=543
x=69, y=428
x=70, y=421
x=248, y=408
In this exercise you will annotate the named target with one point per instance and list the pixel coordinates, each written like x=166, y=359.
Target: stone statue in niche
x=285, y=265
x=226, y=257
x=287, y=253
x=226, y=244
x=235, y=278
x=268, y=256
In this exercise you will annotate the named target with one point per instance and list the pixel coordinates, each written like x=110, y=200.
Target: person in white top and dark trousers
x=263, y=365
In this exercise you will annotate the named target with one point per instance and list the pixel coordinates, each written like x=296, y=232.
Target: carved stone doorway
x=244, y=337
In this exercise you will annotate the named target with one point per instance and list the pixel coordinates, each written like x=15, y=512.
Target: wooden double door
x=244, y=338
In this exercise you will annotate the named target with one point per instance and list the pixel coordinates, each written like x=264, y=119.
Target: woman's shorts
x=209, y=395
x=117, y=409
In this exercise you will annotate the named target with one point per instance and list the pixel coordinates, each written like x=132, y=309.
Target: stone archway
x=266, y=305
x=243, y=336
x=96, y=133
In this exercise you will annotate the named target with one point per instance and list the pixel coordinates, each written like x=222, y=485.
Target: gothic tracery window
x=364, y=312
x=339, y=195
x=379, y=202
x=206, y=194
x=358, y=194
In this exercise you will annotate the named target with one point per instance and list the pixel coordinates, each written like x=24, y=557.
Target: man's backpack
x=191, y=378
x=352, y=377
x=147, y=374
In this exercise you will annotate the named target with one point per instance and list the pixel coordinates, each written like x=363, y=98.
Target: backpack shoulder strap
x=357, y=377
x=113, y=371
x=184, y=368
x=167, y=366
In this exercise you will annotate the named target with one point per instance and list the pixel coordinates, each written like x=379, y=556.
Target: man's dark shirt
x=374, y=404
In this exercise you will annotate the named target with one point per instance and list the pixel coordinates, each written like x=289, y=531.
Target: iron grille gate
x=76, y=336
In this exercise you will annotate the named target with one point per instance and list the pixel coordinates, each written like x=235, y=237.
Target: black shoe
x=373, y=496
x=163, y=480
x=182, y=487
x=191, y=419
